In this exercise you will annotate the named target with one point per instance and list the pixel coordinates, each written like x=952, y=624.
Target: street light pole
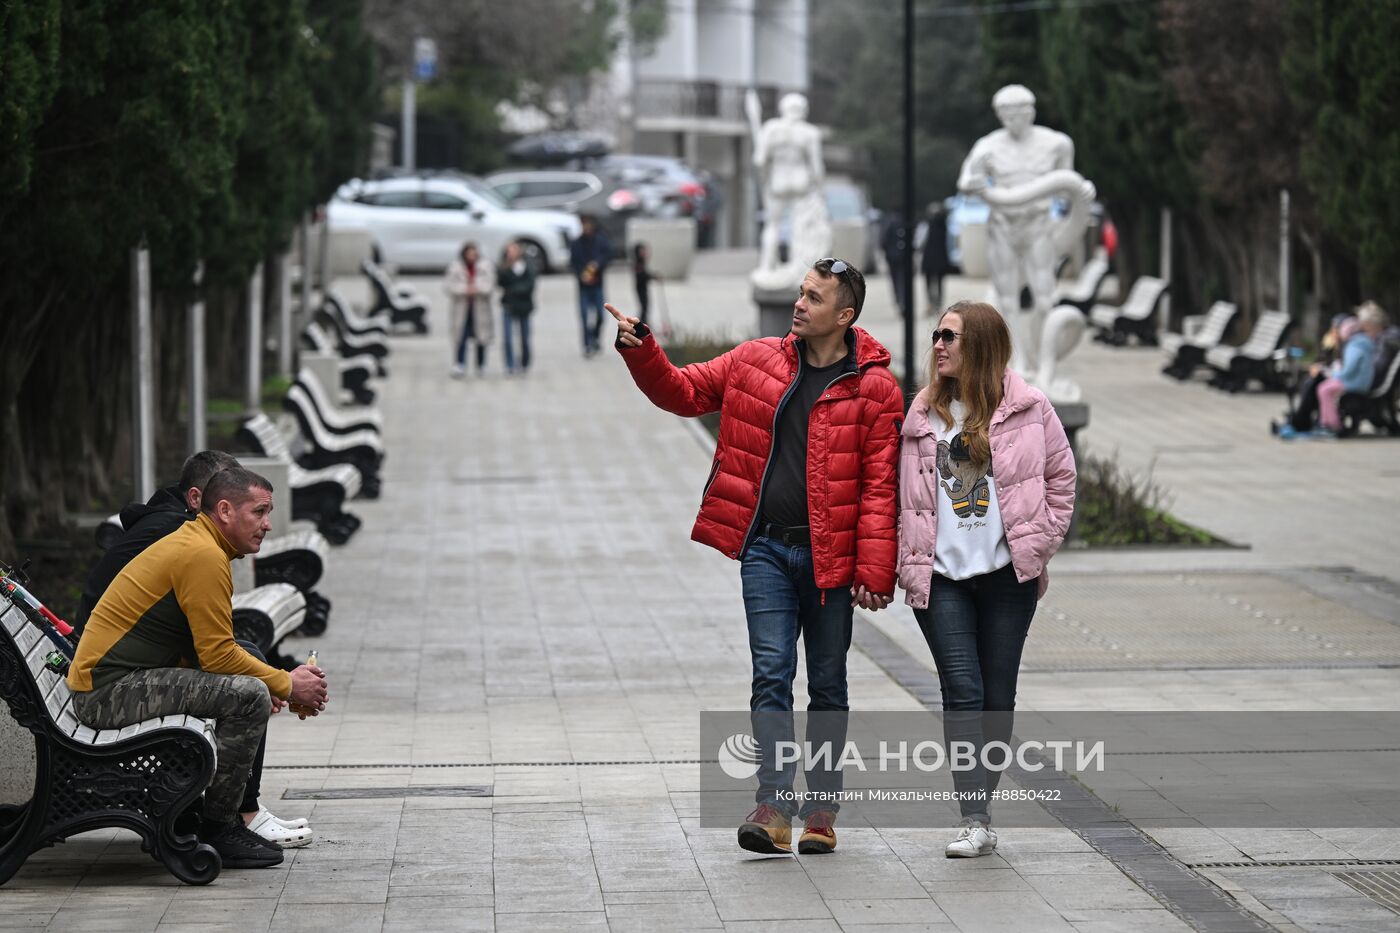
x=908, y=270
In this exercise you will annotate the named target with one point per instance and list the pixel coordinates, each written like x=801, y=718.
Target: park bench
x=404, y=305
x=1187, y=350
x=1377, y=406
x=351, y=342
x=361, y=449
x=337, y=418
x=140, y=777
x=1135, y=317
x=1254, y=359
x=267, y=614
x=317, y=494
x=1082, y=292
x=355, y=371
x=375, y=324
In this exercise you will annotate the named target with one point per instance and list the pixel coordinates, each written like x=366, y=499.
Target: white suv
x=422, y=221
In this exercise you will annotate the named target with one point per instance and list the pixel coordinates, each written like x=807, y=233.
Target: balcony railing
x=703, y=99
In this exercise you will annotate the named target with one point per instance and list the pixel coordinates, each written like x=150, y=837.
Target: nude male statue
x=787, y=152
x=1016, y=170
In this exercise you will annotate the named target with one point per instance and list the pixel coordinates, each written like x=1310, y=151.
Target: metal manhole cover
x=1383, y=887
x=365, y=793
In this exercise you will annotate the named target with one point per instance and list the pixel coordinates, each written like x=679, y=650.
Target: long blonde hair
x=986, y=351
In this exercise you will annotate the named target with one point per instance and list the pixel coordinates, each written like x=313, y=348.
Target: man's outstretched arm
x=697, y=389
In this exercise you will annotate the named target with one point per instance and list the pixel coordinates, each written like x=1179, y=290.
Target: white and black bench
x=1084, y=290
x=350, y=341
x=362, y=448
x=355, y=370
x=140, y=777
x=404, y=305
x=1187, y=350
x=267, y=614
x=1254, y=359
x=317, y=494
x=339, y=419
x=1135, y=317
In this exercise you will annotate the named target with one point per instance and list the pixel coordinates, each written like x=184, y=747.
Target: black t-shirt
x=785, y=496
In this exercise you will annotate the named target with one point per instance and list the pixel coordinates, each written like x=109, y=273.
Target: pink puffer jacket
x=1034, y=471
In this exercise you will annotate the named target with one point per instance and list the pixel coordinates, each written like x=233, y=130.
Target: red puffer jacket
x=852, y=449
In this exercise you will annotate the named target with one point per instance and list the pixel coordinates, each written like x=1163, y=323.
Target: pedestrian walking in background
x=986, y=492
x=895, y=246
x=516, y=276
x=802, y=495
x=934, y=262
x=641, y=254
x=589, y=257
x=471, y=280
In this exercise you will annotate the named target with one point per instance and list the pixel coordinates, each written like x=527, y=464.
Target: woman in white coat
x=471, y=280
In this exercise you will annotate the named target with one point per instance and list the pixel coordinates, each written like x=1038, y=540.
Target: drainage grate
x=1383, y=887
x=367, y=793
x=1298, y=863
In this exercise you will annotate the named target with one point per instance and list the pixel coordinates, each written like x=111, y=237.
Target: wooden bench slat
x=14, y=620
x=26, y=637
x=85, y=734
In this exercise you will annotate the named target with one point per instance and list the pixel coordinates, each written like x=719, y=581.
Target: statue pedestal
x=1073, y=415
x=774, y=310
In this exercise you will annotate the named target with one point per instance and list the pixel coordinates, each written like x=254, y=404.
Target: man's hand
x=865, y=599
x=309, y=692
x=278, y=704
x=626, y=327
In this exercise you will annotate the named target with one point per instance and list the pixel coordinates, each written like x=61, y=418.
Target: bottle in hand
x=302, y=711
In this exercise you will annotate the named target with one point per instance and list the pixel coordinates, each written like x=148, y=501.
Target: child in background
x=640, y=254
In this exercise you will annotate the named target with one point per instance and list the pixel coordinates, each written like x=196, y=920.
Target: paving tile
x=864, y=911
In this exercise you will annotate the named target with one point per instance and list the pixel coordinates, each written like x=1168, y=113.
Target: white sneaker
x=273, y=830
x=973, y=839
x=458, y=372
x=298, y=823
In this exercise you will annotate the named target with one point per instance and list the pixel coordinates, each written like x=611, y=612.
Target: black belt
x=787, y=534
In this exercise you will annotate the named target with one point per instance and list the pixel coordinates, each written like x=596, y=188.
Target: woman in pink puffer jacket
x=986, y=491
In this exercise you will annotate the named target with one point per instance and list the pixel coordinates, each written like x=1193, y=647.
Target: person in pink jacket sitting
x=986, y=491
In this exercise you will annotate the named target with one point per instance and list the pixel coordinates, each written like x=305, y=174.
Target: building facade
x=685, y=96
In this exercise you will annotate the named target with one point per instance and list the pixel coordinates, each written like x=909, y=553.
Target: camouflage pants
x=238, y=704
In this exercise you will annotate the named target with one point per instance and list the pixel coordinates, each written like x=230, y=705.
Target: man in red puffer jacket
x=802, y=493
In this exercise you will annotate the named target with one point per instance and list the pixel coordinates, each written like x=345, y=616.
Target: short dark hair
x=850, y=284
x=232, y=484
x=200, y=467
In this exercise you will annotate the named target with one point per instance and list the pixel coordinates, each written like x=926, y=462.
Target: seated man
x=171, y=604
x=144, y=525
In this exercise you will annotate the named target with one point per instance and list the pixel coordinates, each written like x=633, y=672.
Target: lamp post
x=908, y=246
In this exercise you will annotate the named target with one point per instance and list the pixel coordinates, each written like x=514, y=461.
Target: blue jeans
x=782, y=601
x=511, y=322
x=976, y=629
x=590, y=311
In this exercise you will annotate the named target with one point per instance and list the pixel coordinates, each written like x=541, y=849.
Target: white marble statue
x=1017, y=170
x=787, y=152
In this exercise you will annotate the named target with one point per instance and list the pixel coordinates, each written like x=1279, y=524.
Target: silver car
x=421, y=222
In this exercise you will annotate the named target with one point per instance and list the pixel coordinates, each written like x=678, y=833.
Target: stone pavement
x=523, y=637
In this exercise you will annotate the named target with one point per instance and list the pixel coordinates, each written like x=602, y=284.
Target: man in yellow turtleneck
x=172, y=606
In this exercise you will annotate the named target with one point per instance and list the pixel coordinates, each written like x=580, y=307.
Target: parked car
x=576, y=192
x=421, y=221
x=665, y=186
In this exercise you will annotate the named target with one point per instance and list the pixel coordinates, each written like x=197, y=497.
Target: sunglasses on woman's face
x=947, y=335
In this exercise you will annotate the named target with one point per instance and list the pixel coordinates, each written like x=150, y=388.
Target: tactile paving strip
x=1174, y=621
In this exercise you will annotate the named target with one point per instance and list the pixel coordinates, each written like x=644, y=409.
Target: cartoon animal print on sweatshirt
x=968, y=490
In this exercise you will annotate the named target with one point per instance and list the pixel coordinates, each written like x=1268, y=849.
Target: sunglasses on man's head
x=837, y=267
x=947, y=335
